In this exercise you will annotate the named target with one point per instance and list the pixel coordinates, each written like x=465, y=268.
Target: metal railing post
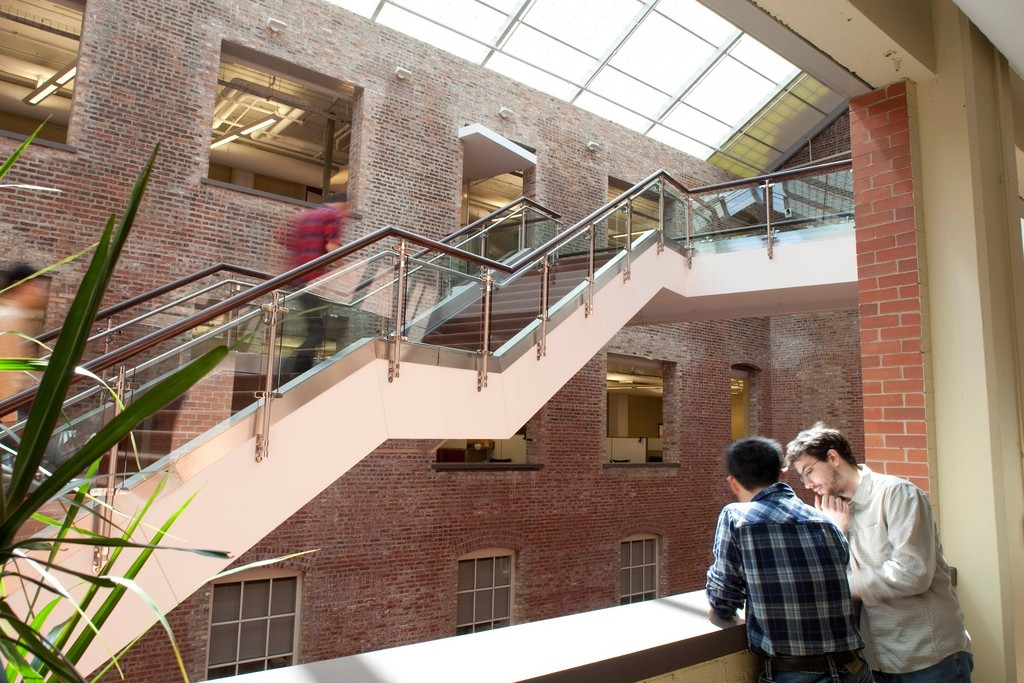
x=688, y=240
x=396, y=347
x=592, y=238
x=768, y=218
x=105, y=512
x=627, y=273
x=661, y=215
x=545, y=272
x=485, y=346
x=271, y=316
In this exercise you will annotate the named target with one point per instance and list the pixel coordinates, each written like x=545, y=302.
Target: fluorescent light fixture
x=53, y=83
x=248, y=130
x=223, y=140
x=259, y=125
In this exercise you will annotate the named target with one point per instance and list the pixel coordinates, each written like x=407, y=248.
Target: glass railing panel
x=646, y=209
x=442, y=302
x=814, y=200
x=675, y=215
x=520, y=228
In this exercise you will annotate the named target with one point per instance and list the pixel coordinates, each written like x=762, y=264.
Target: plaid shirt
x=310, y=233
x=788, y=562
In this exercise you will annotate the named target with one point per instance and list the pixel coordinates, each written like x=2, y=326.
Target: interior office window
x=635, y=402
x=253, y=623
x=741, y=385
x=39, y=42
x=638, y=569
x=484, y=591
x=278, y=127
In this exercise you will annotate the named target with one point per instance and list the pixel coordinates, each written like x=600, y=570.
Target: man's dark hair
x=17, y=273
x=755, y=462
x=816, y=442
x=335, y=198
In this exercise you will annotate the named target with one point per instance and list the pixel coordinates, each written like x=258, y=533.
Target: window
x=278, y=127
x=253, y=624
x=742, y=383
x=484, y=591
x=638, y=570
x=635, y=388
x=39, y=42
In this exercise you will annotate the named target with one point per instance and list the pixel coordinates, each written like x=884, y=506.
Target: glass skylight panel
x=697, y=18
x=696, y=124
x=429, y=32
x=631, y=93
x=465, y=16
x=662, y=54
x=730, y=92
x=537, y=49
x=762, y=60
x=532, y=77
x=590, y=26
x=612, y=112
x=680, y=142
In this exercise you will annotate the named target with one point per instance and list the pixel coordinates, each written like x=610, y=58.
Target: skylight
x=669, y=69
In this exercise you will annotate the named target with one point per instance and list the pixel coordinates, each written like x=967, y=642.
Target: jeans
x=955, y=668
x=834, y=674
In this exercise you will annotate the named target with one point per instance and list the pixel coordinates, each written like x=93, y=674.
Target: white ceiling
x=1002, y=22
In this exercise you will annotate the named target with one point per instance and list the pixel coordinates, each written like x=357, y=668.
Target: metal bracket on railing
x=105, y=512
x=545, y=273
x=485, y=346
x=661, y=216
x=271, y=315
x=628, y=272
x=394, y=363
x=591, y=237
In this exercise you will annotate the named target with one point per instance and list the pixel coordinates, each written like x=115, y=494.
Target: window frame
x=474, y=626
x=254, y=576
x=648, y=591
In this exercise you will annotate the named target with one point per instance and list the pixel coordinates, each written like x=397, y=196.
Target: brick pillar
x=890, y=258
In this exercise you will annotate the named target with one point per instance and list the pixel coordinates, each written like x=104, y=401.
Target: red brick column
x=889, y=263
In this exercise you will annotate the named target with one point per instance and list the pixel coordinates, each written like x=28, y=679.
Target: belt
x=812, y=663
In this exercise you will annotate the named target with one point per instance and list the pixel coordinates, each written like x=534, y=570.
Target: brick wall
x=390, y=531
x=889, y=263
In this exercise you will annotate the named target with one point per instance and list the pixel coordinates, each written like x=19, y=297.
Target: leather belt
x=812, y=663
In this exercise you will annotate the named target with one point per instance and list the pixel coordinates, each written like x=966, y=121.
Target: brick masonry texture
x=389, y=533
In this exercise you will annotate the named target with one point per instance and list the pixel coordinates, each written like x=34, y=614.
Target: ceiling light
x=402, y=73
x=53, y=83
x=248, y=130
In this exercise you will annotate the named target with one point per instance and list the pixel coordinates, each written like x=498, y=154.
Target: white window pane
x=618, y=87
x=466, y=16
x=697, y=18
x=255, y=599
x=557, y=58
x=662, y=54
x=223, y=643
x=730, y=92
x=612, y=112
x=252, y=639
x=532, y=77
x=695, y=124
x=227, y=601
x=281, y=637
x=681, y=142
x=762, y=60
x=589, y=26
x=431, y=33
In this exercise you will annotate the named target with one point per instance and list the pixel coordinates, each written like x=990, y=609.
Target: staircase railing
x=411, y=285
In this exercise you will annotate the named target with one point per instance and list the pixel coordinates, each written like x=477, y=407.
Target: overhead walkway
x=434, y=340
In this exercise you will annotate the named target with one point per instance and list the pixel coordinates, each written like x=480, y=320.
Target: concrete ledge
x=615, y=645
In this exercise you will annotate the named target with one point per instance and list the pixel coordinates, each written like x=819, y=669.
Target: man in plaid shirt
x=787, y=562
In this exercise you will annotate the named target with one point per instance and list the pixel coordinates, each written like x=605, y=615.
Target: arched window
x=638, y=569
x=484, y=591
